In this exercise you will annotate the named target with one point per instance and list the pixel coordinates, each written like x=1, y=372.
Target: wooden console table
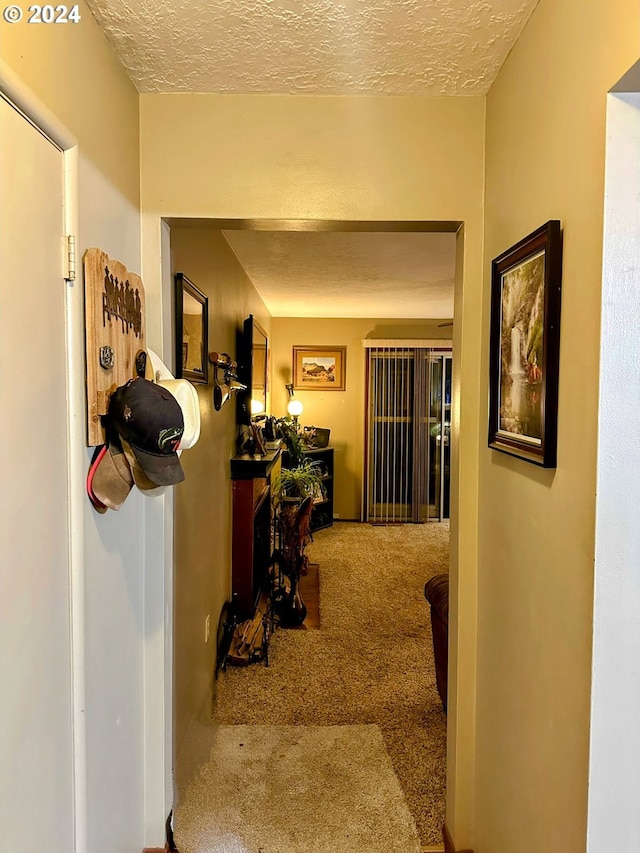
x=251, y=544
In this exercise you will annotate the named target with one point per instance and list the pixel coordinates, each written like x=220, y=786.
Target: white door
x=36, y=767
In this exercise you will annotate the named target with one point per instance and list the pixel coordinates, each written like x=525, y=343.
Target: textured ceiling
x=346, y=274
x=368, y=47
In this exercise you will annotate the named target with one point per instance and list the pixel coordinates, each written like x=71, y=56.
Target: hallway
x=367, y=673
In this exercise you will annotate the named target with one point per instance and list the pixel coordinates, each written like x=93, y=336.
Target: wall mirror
x=192, y=319
x=253, y=363
x=258, y=370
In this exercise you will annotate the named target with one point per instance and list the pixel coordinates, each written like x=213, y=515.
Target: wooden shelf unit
x=251, y=478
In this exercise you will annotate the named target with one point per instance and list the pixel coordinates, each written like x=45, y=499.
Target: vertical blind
x=402, y=434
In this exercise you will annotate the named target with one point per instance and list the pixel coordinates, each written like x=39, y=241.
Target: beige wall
x=545, y=159
x=246, y=156
x=356, y=158
x=74, y=73
x=73, y=70
x=341, y=411
x=202, y=577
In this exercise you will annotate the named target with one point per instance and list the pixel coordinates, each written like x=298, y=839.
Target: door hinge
x=71, y=258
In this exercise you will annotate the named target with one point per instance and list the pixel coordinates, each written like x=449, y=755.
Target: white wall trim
x=34, y=110
x=613, y=821
x=168, y=350
x=77, y=463
x=463, y=574
x=158, y=562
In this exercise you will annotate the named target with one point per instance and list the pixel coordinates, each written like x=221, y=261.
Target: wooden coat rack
x=114, y=333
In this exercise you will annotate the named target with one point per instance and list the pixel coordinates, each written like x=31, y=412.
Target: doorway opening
x=207, y=235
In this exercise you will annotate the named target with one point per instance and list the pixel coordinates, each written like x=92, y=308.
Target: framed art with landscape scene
x=319, y=368
x=525, y=345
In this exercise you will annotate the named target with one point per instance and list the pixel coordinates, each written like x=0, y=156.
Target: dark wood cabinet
x=251, y=478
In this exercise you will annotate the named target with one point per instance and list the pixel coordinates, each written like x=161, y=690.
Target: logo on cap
x=150, y=419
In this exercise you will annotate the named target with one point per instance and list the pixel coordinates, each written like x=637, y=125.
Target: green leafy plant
x=292, y=440
x=305, y=480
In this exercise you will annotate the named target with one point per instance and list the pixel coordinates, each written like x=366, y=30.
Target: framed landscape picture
x=525, y=345
x=319, y=368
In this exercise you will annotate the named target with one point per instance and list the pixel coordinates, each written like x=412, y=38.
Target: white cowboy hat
x=184, y=392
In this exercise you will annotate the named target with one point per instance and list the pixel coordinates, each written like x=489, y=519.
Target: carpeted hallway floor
x=370, y=663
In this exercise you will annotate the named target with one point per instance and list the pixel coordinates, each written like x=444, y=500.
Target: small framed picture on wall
x=319, y=368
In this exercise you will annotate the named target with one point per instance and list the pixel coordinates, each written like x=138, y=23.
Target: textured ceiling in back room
x=350, y=274
x=366, y=47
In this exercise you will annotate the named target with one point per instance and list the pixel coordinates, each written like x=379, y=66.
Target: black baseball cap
x=149, y=419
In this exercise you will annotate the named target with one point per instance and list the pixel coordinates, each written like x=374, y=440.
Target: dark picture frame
x=192, y=331
x=525, y=347
x=319, y=368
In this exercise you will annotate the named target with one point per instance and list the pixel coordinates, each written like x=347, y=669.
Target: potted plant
x=292, y=440
x=295, y=484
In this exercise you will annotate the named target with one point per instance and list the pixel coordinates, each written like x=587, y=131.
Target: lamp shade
x=295, y=407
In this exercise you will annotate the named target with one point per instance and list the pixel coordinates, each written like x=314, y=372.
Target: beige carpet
x=371, y=662
x=265, y=790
